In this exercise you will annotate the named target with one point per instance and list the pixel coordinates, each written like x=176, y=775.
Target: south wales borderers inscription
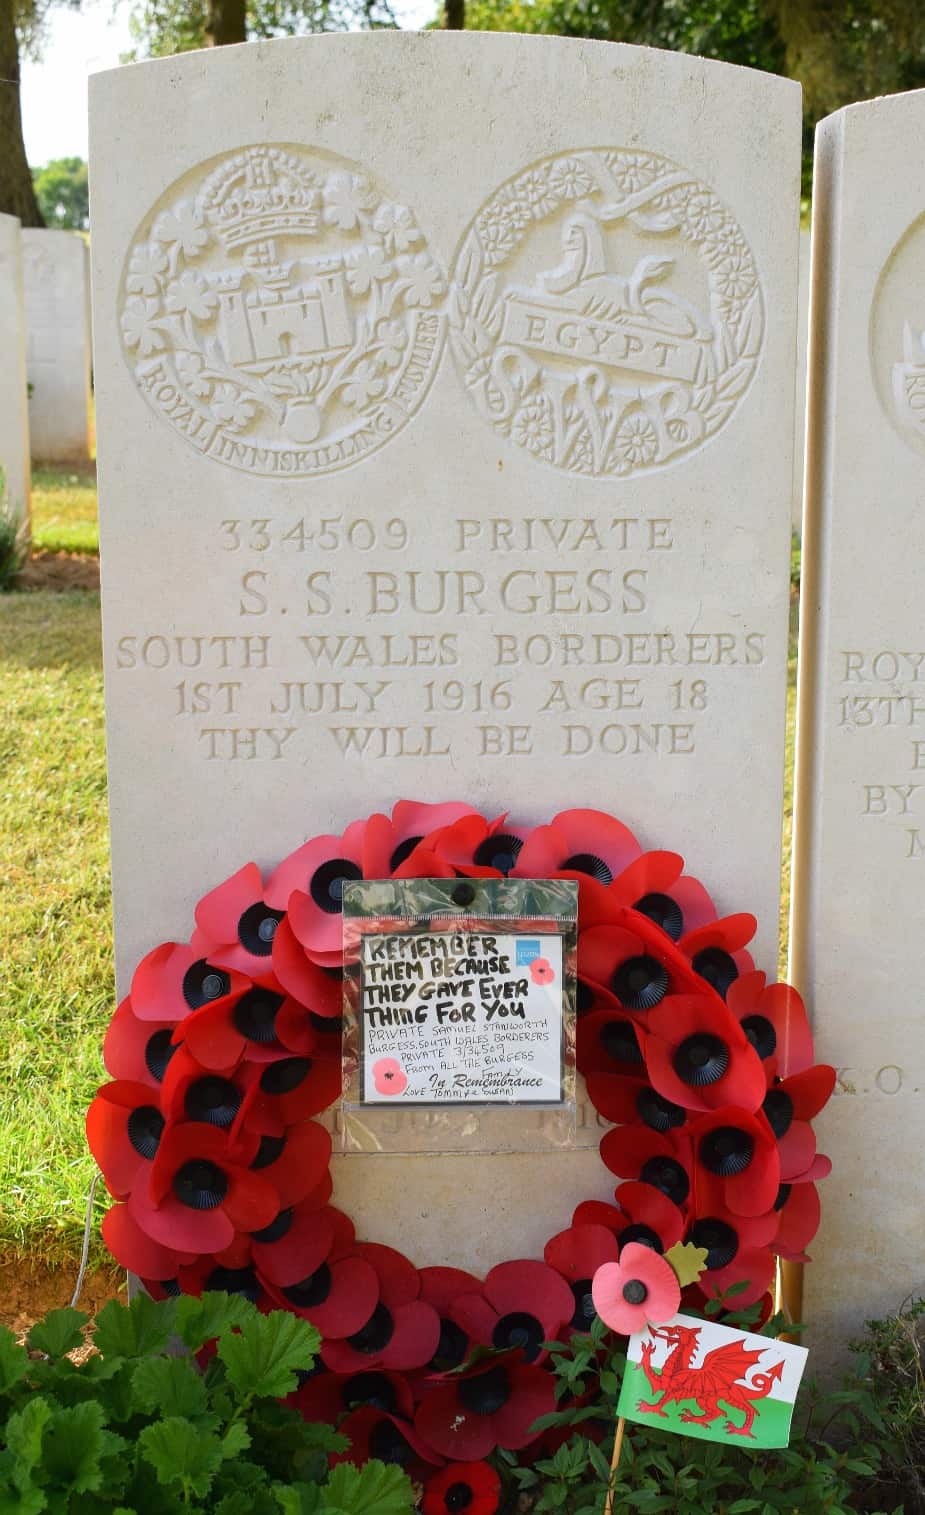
x=607, y=315
x=282, y=312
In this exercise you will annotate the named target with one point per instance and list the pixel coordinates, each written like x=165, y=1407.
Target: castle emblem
x=281, y=313
x=607, y=314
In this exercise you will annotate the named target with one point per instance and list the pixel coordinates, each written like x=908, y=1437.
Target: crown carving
x=259, y=194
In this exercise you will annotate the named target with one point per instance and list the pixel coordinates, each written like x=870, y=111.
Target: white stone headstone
x=14, y=414
x=445, y=383
x=859, y=866
x=58, y=325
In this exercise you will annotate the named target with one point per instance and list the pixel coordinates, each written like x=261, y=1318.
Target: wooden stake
x=614, y=1463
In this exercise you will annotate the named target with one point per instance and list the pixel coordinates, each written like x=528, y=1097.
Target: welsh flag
x=700, y=1379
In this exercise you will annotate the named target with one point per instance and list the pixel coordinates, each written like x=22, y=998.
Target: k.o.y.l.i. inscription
x=606, y=314
x=281, y=311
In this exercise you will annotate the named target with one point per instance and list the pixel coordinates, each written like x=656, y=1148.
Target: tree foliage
x=161, y=27
x=62, y=191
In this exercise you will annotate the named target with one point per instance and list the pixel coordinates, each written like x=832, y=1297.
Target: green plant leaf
x=198, y=1320
x=169, y=1386
x=58, y=1333
x=145, y=1326
x=236, y=1439
x=376, y=1488
x=72, y=1446
x=23, y=1439
x=12, y=1502
x=298, y=1498
x=261, y=1361
x=13, y=1360
x=180, y=1453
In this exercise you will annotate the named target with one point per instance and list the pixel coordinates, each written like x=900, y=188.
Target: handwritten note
x=461, y=1018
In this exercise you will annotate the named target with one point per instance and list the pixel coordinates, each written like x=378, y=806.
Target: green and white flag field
x=701, y=1379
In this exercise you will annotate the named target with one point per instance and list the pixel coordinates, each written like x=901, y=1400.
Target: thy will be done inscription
x=327, y=634
x=461, y=1018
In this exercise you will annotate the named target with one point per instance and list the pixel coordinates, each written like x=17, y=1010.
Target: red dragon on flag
x=722, y=1375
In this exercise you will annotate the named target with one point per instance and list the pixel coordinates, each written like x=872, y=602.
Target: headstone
x=445, y=408
x=58, y=327
x=859, y=865
x=14, y=415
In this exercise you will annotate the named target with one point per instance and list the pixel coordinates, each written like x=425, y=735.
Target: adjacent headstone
x=58, y=326
x=859, y=866
x=443, y=462
x=14, y=415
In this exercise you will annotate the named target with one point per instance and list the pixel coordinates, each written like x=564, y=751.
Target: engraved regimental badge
x=281, y=312
x=607, y=313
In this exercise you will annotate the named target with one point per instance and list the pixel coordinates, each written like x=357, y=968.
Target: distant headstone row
x=45, y=393
x=459, y=464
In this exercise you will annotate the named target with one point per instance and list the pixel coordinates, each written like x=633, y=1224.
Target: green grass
x=64, y=510
x=54, y=914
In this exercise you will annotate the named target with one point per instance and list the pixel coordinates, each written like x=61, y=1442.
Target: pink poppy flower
x=541, y=971
x=389, y=1076
x=641, y=1289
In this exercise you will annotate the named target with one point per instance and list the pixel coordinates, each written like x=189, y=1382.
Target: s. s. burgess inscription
x=606, y=313
x=281, y=312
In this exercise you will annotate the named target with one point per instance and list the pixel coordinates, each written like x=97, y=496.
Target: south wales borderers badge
x=281, y=311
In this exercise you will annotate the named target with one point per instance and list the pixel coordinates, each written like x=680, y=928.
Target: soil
x=28, y=1291
x=60, y=571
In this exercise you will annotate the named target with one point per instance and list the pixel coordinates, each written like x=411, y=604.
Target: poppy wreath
x=228, y=1047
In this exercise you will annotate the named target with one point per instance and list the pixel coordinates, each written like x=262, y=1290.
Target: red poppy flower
x=309, y=884
x=774, y=1019
x=800, y=1212
x=738, y=1149
x=262, y=1025
x=577, y=1254
x=175, y=978
x=578, y=843
x=477, y=848
x=325, y=1397
x=338, y=1297
x=137, y=1050
x=401, y=1332
x=520, y=1305
x=320, y=990
x=626, y=1100
x=493, y=1403
x=606, y=1042
x=296, y=1242
x=288, y=1090
x=235, y=926
x=641, y=1289
x=199, y=1192
x=659, y=1159
x=191, y=1091
x=440, y=1287
x=738, y=1251
x=207, y=1273
x=789, y=1105
x=655, y=886
x=124, y=1126
x=650, y=1217
x=717, y=950
x=136, y=1252
x=374, y=1433
x=463, y=1488
x=636, y=964
x=698, y=1056
x=294, y=1160
x=390, y=841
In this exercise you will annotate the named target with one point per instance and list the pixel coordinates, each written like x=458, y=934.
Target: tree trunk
x=17, y=196
x=226, y=21
x=454, y=15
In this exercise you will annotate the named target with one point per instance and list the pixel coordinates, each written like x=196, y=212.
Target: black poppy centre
x=518, y=1329
x=270, y=1148
x=202, y=984
x=372, y=1389
x=159, y=1049
x=485, y=1393
x=727, y=1151
x=327, y=884
x=635, y=1292
x=452, y=1346
x=719, y=1239
x=311, y=1291
x=717, y=967
x=668, y=1176
x=213, y=1099
x=257, y=928
x=761, y=1034
x=254, y=1015
x=376, y=1334
x=664, y=911
x=584, y=1305
x=242, y=1281
x=387, y=1443
x=200, y=1184
x=701, y=1059
x=286, y=1075
x=641, y=982
x=499, y=852
x=590, y=863
x=619, y=1041
x=657, y=1112
x=145, y=1126
x=778, y=1108
x=458, y=1497
x=642, y=1234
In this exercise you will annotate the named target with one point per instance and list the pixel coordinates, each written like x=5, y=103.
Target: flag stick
x=614, y=1463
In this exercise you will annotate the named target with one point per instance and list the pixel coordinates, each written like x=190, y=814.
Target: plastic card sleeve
x=459, y=1015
